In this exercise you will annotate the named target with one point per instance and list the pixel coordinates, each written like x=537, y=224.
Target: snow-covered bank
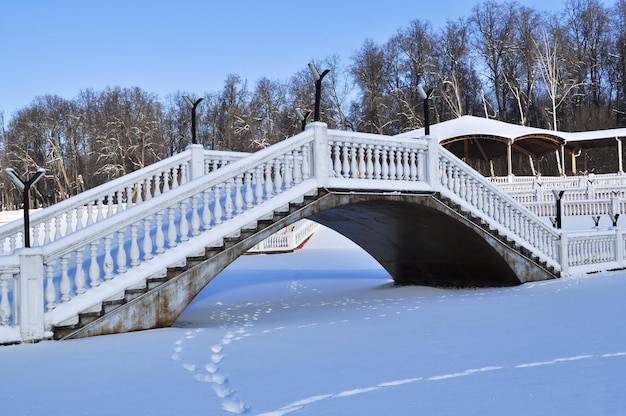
x=322, y=331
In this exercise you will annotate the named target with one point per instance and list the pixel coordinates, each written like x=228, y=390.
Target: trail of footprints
x=238, y=326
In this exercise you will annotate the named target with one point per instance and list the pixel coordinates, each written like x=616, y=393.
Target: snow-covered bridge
x=131, y=254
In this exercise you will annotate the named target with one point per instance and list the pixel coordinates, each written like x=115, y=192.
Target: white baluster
x=184, y=224
x=51, y=293
x=157, y=184
x=195, y=217
x=34, y=235
x=238, y=195
x=228, y=201
x=46, y=232
x=217, y=207
x=148, y=188
x=345, y=167
x=369, y=165
x=183, y=174
x=147, y=240
x=129, y=196
x=408, y=174
x=399, y=167
x=392, y=164
x=354, y=165
x=121, y=252
x=57, y=227
x=107, y=264
x=139, y=192
x=278, y=180
x=414, y=162
x=134, y=246
x=361, y=162
x=268, y=181
x=65, y=285
x=377, y=164
x=99, y=209
x=172, y=233
x=120, y=201
x=249, y=198
x=337, y=160
x=206, y=211
x=79, y=277
x=166, y=180
x=258, y=187
x=94, y=267
x=89, y=209
x=159, y=235
x=288, y=176
x=385, y=164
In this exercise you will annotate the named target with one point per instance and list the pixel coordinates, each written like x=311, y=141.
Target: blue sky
x=60, y=47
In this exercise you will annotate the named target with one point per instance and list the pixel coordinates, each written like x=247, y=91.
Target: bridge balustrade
x=500, y=209
x=370, y=157
x=73, y=267
x=112, y=197
x=207, y=200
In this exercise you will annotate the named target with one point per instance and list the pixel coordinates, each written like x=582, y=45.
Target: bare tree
x=558, y=83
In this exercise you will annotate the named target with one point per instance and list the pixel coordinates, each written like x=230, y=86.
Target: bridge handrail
x=373, y=159
x=483, y=197
x=109, y=198
x=109, y=248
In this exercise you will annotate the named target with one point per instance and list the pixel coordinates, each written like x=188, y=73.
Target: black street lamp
x=425, y=95
x=193, y=106
x=558, y=197
x=25, y=186
x=302, y=117
x=318, y=89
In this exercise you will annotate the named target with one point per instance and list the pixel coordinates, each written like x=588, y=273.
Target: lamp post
x=302, y=117
x=25, y=186
x=558, y=196
x=318, y=89
x=425, y=95
x=193, y=106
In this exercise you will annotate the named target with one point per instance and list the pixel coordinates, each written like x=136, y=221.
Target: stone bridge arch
x=419, y=238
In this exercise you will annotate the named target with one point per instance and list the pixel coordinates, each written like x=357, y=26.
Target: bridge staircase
x=135, y=299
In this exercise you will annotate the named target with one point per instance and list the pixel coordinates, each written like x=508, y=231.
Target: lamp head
x=423, y=95
x=313, y=69
x=302, y=116
x=191, y=103
x=15, y=178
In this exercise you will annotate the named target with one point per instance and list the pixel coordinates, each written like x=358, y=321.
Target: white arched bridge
x=131, y=254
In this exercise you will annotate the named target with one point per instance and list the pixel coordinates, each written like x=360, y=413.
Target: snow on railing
x=113, y=197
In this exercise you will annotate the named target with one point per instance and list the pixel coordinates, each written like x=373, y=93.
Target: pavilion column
x=509, y=158
x=563, y=159
x=620, y=162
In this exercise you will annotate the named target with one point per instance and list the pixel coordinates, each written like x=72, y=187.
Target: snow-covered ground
x=322, y=331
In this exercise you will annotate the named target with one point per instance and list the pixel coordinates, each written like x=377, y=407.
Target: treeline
x=563, y=70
